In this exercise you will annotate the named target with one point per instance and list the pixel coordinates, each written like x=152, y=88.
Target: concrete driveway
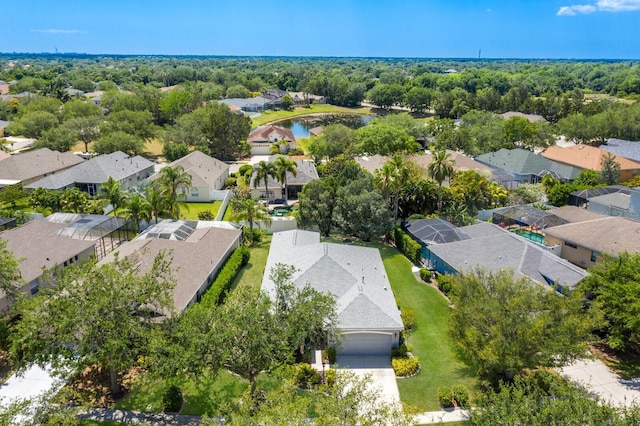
x=380, y=371
x=599, y=379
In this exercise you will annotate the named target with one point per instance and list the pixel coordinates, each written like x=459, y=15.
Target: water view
x=301, y=125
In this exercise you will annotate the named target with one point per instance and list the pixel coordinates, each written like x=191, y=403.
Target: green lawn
x=439, y=362
x=271, y=116
x=251, y=274
x=204, y=397
x=191, y=210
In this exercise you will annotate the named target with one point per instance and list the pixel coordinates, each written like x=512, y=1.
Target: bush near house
x=306, y=377
x=425, y=274
x=407, y=246
x=409, y=319
x=457, y=395
x=405, y=366
x=222, y=283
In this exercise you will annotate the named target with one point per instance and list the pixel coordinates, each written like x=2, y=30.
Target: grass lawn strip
x=267, y=117
x=191, y=211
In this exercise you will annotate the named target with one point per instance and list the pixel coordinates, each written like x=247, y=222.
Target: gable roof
x=523, y=162
x=608, y=234
x=306, y=172
x=204, y=170
x=618, y=200
x=585, y=157
x=354, y=275
x=28, y=165
x=38, y=244
x=435, y=231
x=494, y=248
x=573, y=214
x=460, y=161
x=117, y=165
x=531, y=117
x=626, y=149
x=193, y=259
x=262, y=134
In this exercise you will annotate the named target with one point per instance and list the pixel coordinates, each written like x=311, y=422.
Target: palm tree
x=156, y=199
x=110, y=191
x=250, y=211
x=263, y=171
x=172, y=178
x=283, y=166
x=441, y=169
x=391, y=179
x=136, y=208
x=459, y=108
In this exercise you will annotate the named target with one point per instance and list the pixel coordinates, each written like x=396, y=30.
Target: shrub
x=172, y=399
x=461, y=395
x=230, y=181
x=330, y=354
x=444, y=283
x=330, y=377
x=425, y=274
x=445, y=396
x=399, y=352
x=306, y=377
x=258, y=235
x=243, y=170
x=407, y=246
x=221, y=284
x=409, y=319
x=405, y=366
x=205, y=215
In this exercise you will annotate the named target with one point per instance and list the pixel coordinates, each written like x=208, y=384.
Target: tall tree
x=506, y=325
x=264, y=170
x=440, y=169
x=93, y=315
x=284, y=166
x=136, y=208
x=315, y=206
x=252, y=212
x=390, y=180
x=87, y=129
x=609, y=169
x=111, y=192
x=9, y=271
x=158, y=201
x=171, y=179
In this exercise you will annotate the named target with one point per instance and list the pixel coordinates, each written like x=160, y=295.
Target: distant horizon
x=523, y=29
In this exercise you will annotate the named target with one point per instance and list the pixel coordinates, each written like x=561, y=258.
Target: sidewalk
x=137, y=418
x=32, y=383
x=447, y=416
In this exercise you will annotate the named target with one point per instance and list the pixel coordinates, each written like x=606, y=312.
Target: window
x=91, y=189
x=594, y=256
x=194, y=192
x=34, y=287
x=566, y=243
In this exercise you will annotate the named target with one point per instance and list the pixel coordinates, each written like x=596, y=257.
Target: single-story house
x=306, y=172
x=28, y=167
x=461, y=162
x=625, y=202
x=369, y=321
x=304, y=98
x=493, y=248
x=91, y=174
x=428, y=232
x=583, y=243
x=259, y=103
x=531, y=117
x=198, y=249
x=263, y=138
x=208, y=175
x=40, y=247
x=527, y=167
x=587, y=157
x=581, y=198
x=622, y=148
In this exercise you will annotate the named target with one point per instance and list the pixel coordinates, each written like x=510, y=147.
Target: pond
x=301, y=125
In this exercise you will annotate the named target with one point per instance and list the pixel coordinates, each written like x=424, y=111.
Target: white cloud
x=58, y=31
x=600, y=6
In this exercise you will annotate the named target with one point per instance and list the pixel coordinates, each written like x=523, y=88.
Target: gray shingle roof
x=435, y=231
x=204, y=170
x=523, y=162
x=497, y=249
x=355, y=275
x=97, y=170
x=28, y=165
x=626, y=149
x=305, y=174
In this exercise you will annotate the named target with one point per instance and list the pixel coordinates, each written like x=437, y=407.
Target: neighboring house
x=428, y=232
x=493, y=248
x=3, y=125
x=622, y=148
x=583, y=243
x=91, y=174
x=95, y=97
x=369, y=320
x=259, y=103
x=460, y=162
x=586, y=157
x=304, y=98
x=38, y=248
x=625, y=202
x=573, y=214
x=531, y=117
x=306, y=172
x=28, y=167
x=527, y=167
x=197, y=250
x=208, y=175
x=7, y=223
x=73, y=92
x=316, y=131
x=17, y=96
x=4, y=88
x=263, y=138
x=581, y=197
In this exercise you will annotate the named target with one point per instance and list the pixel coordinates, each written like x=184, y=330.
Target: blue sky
x=580, y=29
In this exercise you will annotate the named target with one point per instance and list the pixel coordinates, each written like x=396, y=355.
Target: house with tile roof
x=198, y=249
x=28, y=167
x=584, y=243
x=306, y=172
x=208, y=175
x=40, y=247
x=262, y=138
x=527, y=167
x=587, y=157
x=89, y=175
x=493, y=248
x=369, y=321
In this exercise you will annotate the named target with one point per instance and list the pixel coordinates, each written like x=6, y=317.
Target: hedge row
x=407, y=246
x=221, y=284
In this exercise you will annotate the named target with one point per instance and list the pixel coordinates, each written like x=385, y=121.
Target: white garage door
x=365, y=344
